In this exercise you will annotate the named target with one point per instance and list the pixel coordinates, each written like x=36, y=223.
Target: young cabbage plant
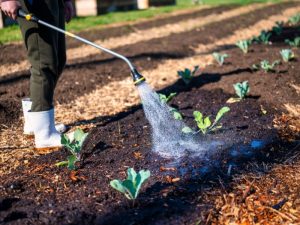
x=74, y=144
x=267, y=67
x=165, y=99
x=264, y=37
x=242, y=89
x=293, y=43
x=187, y=75
x=132, y=185
x=287, y=55
x=294, y=20
x=176, y=114
x=220, y=58
x=244, y=45
x=204, y=123
x=278, y=29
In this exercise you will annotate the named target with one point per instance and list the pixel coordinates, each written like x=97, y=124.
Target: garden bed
x=38, y=192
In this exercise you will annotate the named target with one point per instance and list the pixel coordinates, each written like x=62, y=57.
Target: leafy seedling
x=204, y=123
x=165, y=99
x=267, y=67
x=176, y=114
x=293, y=43
x=244, y=45
x=287, y=55
x=264, y=37
x=187, y=75
x=220, y=58
x=132, y=185
x=294, y=20
x=74, y=144
x=278, y=29
x=242, y=89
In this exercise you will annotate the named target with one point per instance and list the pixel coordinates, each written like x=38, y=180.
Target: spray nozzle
x=137, y=77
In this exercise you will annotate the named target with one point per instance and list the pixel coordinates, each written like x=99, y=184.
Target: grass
x=12, y=33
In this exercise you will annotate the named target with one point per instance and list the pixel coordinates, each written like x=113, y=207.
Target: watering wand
x=136, y=76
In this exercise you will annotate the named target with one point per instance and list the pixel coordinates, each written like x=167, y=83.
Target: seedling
x=287, y=55
x=176, y=114
x=293, y=43
x=74, y=145
x=264, y=37
x=220, y=58
x=242, y=89
x=278, y=28
x=187, y=75
x=132, y=185
x=204, y=124
x=294, y=20
x=165, y=99
x=267, y=67
x=243, y=45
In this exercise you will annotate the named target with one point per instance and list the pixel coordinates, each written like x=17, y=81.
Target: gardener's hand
x=69, y=11
x=10, y=8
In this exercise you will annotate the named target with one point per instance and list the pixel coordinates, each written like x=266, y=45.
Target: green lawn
x=12, y=33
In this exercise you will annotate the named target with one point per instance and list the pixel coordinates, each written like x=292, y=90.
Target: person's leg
x=42, y=46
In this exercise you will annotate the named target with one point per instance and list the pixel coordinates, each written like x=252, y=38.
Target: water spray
x=136, y=76
x=167, y=137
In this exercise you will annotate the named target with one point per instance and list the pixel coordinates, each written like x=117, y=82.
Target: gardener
x=46, y=51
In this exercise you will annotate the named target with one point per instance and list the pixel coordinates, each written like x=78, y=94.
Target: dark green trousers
x=46, y=50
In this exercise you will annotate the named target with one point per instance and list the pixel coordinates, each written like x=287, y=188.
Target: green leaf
x=187, y=130
x=80, y=136
x=172, y=95
x=176, y=114
x=198, y=116
x=131, y=174
x=71, y=162
x=130, y=189
x=207, y=122
x=64, y=140
x=221, y=113
x=141, y=177
x=117, y=184
x=163, y=98
x=62, y=163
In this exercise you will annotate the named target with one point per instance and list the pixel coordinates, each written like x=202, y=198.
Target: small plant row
x=129, y=187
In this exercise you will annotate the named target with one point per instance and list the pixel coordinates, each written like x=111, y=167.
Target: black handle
x=21, y=13
x=27, y=16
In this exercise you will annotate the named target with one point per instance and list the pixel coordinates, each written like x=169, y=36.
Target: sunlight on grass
x=12, y=33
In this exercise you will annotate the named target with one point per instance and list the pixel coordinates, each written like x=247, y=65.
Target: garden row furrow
x=123, y=94
x=81, y=52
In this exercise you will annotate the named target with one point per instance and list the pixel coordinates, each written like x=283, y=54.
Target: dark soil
x=41, y=193
x=102, y=69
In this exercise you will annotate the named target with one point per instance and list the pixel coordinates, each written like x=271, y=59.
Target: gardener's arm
x=10, y=8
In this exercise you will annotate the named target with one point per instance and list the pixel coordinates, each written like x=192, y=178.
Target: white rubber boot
x=26, y=106
x=45, y=134
x=28, y=130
